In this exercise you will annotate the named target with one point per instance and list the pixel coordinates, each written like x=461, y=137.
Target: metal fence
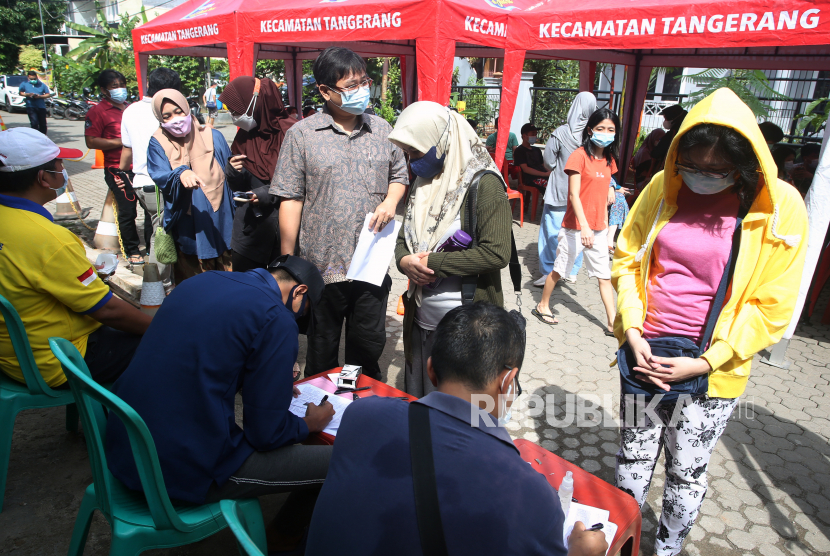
x=549, y=106
x=484, y=101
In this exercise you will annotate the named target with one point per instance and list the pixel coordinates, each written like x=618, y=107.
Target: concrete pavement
x=769, y=476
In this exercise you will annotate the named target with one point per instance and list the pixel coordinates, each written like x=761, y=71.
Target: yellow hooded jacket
x=767, y=274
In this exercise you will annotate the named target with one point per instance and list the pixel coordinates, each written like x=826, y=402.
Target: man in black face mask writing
x=217, y=334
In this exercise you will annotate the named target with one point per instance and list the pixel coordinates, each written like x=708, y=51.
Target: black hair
x=335, y=63
x=292, y=109
x=282, y=275
x=110, y=76
x=496, y=123
x=309, y=111
x=163, y=78
x=771, y=132
x=732, y=147
x=528, y=127
x=473, y=343
x=779, y=155
x=18, y=182
x=810, y=149
x=31, y=72
x=612, y=151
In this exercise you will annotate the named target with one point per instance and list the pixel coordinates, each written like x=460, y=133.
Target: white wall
x=465, y=71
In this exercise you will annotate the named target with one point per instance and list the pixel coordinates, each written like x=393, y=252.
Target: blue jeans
x=37, y=118
x=549, y=239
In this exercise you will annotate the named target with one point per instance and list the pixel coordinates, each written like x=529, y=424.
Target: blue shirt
x=188, y=215
x=492, y=502
x=216, y=334
x=39, y=89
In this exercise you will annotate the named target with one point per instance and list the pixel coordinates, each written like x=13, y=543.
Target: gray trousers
x=416, y=379
x=147, y=200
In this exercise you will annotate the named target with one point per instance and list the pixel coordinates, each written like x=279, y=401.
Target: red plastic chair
x=534, y=199
x=513, y=195
x=508, y=169
x=591, y=491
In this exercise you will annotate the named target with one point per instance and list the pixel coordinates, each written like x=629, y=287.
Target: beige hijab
x=194, y=150
x=434, y=203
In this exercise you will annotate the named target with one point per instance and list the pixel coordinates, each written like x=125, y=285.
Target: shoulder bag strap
x=728, y=271
x=427, y=509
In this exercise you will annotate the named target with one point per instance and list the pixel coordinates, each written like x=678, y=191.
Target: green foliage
x=814, y=117
x=190, y=70
x=31, y=58
x=20, y=21
x=552, y=107
x=71, y=76
x=374, y=67
x=272, y=69
x=387, y=112
x=747, y=84
x=557, y=74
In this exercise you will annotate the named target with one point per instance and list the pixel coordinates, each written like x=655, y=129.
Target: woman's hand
x=415, y=268
x=190, y=180
x=626, y=190
x=612, y=196
x=662, y=371
x=236, y=161
x=639, y=347
x=254, y=199
x=587, y=237
x=384, y=214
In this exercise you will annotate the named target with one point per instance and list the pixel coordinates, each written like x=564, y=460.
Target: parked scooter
x=196, y=108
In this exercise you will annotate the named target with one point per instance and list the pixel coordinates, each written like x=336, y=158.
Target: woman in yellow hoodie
x=670, y=258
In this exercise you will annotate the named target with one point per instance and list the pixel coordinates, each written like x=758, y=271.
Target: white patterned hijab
x=434, y=203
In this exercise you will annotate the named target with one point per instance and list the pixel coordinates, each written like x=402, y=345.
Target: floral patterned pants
x=688, y=437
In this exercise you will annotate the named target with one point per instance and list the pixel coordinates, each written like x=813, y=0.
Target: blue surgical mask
x=299, y=314
x=118, y=96
x=62, y=189
x=356, y=102
x=602, y=139
x=506, y=414
x=703, y=185
x=33, y=81
x=429, y=165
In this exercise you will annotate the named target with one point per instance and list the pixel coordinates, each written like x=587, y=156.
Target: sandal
x=609, y=333
x=542, y=316
x=136, y=260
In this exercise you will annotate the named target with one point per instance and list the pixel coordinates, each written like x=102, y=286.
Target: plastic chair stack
x=15, y=397
x=139, y=521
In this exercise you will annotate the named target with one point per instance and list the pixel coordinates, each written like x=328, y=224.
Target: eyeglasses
x=354, y=88
x=516, y=380
x=693, y=170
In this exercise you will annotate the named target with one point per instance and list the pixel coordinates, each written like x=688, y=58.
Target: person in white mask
x=335, y=168
x=187, y=163
x=489, y=500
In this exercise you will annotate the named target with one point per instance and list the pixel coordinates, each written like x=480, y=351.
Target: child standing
x=585, y=225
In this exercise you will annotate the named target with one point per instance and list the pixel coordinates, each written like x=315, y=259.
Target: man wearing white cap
x=44, y=272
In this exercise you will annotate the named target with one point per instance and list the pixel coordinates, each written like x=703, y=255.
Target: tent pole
x=434, y=66
x=141, y=60
x=587, y=75
x=511, y=77
x=818, y=216
x=636, y=89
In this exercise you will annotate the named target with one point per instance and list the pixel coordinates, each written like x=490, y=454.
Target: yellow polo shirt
x=45, y=275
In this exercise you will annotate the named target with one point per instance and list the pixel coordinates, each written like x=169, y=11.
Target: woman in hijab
x=564, y=140
x=642, y=162
x=187, y=163
x=446, y=155
x=257, y=109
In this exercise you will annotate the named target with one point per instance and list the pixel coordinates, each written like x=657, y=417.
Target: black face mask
x=299, y=314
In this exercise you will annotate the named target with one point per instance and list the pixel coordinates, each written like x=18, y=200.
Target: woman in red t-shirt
x=585, y=225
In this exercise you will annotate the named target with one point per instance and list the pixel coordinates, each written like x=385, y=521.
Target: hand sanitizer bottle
x=566, y=492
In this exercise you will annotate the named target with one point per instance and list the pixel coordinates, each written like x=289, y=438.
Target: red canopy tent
x=294, y=30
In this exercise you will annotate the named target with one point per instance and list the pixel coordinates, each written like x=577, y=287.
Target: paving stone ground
x=769, y=479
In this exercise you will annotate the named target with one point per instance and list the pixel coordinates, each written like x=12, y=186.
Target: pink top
x=688, y=259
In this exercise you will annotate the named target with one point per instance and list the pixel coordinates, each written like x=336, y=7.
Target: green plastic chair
x=237, y=523
x=139, y=521
x=15, y=397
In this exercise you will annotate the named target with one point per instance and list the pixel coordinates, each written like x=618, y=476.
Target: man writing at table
x=489, y=500
x=217, y=334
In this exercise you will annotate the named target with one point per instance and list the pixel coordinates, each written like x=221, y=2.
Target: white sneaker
x=571, y=279
x=540, y=283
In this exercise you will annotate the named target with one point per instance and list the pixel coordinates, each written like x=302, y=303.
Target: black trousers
x=109, y=353
x=37, y=119
x=127, y=202
x=364, y=308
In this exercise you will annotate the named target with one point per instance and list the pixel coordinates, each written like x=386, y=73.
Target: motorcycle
x=56, y=107
x=78, y=108
x=196, y=108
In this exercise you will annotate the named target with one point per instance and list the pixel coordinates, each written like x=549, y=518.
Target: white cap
x=22, y=148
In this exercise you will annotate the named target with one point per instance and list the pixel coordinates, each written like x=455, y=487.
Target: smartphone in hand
x=243, y=196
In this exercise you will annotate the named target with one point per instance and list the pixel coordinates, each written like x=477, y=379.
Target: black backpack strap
x=728, y=272
x=427, y=509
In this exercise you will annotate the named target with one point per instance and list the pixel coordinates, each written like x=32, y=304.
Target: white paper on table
x=374, y=252
x=311, y=394
x=589, y=516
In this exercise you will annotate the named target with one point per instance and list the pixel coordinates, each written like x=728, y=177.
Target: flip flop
x=136, y=263
x=609, y=333
x=542, y=316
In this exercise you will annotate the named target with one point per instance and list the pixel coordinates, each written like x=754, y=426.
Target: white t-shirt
x=439, y=300
x=210, y=95
x=137, y=127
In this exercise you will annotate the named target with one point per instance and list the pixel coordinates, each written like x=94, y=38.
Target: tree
x=20, y=21
x=814, y=118
x=747, y=84
x=551, y=107
x=190, y=70
x=30, y=58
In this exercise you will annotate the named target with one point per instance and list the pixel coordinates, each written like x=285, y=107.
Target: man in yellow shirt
x=44, y=272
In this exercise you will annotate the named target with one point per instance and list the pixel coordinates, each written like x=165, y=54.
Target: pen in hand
x=595, y=527
x=324, y=399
